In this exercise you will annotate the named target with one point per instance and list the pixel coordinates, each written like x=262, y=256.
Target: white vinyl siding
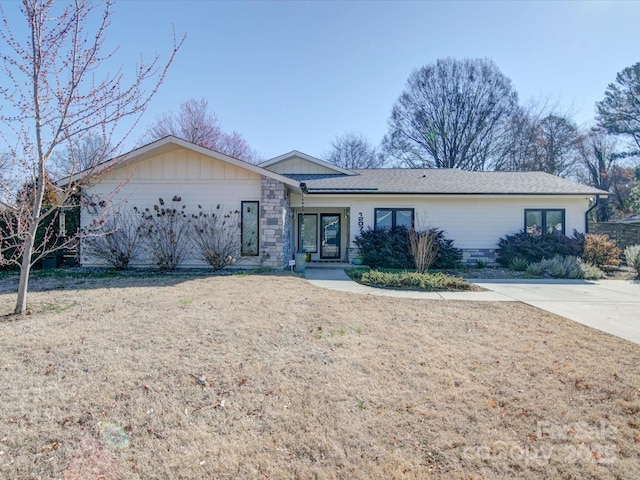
x=196, y=178
x=472, y=221
x=296, y=165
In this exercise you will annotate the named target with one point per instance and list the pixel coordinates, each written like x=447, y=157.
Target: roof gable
x=168, y=144
x=296, y=163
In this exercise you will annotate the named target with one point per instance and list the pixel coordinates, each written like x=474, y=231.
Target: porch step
x=334, y=265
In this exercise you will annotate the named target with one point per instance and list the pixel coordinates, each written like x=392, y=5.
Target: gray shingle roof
x=444, y=181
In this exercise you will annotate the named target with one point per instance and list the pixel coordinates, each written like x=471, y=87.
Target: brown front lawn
x=269, y=377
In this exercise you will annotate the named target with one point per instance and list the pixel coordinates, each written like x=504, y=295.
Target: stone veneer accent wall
x=275, y=231
x=470, y=256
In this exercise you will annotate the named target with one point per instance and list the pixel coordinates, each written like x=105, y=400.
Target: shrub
x=424, y=248
x=535, y=247
x=422, y=281
x=448, y=256
x=118, y=241
x=632, y=256
x=165, y=230
x=590, y=271
x=390, y=248
x=601, y=251
x=518, y=264
x=385, y=247
x=481, y=264
x=216, y=236
x=565, y=267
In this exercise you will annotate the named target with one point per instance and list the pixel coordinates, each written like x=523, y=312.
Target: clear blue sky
x=296, y=74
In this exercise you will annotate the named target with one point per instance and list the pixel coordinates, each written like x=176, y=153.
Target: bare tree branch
x=197, y=123
x=452, y=114
x=352, y=150
x=58, y=92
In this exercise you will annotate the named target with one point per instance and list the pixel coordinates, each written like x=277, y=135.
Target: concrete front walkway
x=612, y=306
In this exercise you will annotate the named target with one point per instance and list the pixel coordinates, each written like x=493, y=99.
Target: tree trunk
x=25, y=270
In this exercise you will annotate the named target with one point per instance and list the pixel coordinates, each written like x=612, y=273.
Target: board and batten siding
x=473, y=222
x=297, y=165
x=196, y=178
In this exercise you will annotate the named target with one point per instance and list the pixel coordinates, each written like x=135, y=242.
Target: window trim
x=393, y=211
x=544, y=212
x=257, y=206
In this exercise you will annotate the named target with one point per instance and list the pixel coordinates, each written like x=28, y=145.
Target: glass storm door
x=330, y=235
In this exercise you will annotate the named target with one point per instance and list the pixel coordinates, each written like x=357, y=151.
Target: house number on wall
x=360, y=221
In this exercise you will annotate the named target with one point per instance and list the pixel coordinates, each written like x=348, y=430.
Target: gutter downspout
x=586, y=214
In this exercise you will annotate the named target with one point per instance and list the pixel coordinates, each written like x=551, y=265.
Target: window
x=393, y=217
x=544, y=220
x=308, y=233
x=249, y=232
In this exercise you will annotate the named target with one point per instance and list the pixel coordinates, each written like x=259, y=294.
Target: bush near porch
x=390, y=248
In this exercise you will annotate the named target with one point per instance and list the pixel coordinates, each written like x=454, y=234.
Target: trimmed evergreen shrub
x=385, y=247
x=534, y=248
x=390, y=248
x=448, y=256
x=414, y=280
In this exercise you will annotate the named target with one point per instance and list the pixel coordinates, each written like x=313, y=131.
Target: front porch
x=323, y=232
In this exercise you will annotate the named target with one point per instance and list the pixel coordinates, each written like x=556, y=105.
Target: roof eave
x=377, y=192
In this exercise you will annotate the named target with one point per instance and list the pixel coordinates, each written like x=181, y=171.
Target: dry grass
x=269, y=377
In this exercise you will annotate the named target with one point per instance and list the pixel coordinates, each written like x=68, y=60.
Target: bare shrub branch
x=166, y=233
x=216, y=236
x=118, y=241
x=424, y=248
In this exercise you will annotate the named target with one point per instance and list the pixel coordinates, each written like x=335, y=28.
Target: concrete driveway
x=612, y=306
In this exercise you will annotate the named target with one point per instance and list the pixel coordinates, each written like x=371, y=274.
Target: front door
x=330, y=235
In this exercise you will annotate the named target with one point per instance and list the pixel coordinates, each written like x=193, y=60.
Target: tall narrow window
x=308, y=232
x=250, y=227
x=62, y=224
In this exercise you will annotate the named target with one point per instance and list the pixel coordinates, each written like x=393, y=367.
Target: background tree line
x=465, y=114
x=461, y=114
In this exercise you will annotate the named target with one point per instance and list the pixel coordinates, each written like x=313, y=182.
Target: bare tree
x=598, y=161
x=80, y=155
x=555, y=142
x=540, y=138
x=601, y=164
x=352, y=150
x=56, y=94
x=197, y=123
x=452, y=114
x=619, y=112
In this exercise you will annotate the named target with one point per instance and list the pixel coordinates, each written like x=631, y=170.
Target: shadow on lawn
x=86, y=279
